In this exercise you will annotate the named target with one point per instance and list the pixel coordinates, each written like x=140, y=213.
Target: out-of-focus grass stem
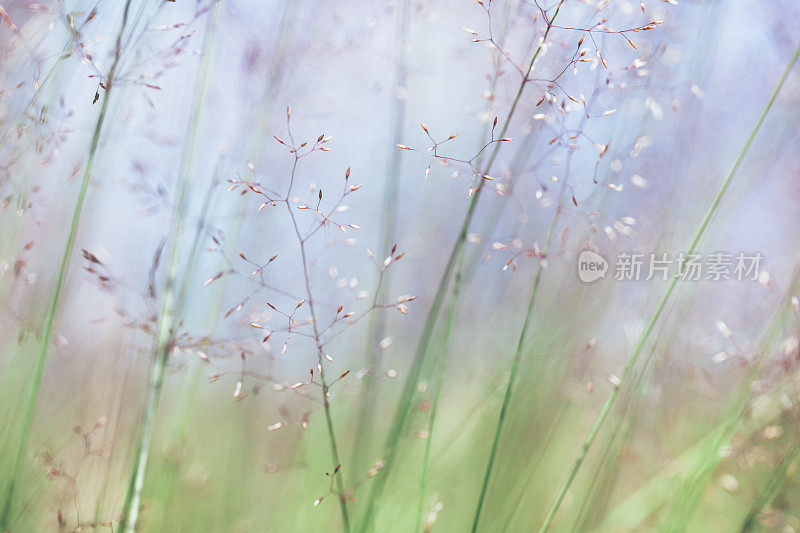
x=377, y=326
x=170, y=305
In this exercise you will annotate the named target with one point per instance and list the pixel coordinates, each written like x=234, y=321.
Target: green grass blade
x=55, y=294
x=648, y=329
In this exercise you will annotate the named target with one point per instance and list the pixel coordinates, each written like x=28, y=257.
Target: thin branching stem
x=336, y=470
x=461, y=269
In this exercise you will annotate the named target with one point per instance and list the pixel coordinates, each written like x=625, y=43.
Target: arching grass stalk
x=406, y=399
x=688, y=495
x=55, y=294
x=377, y=327
x=170, y=308
x=517, y=358
x=670, y=288
x=670, y=485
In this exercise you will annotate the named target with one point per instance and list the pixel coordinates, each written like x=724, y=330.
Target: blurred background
x=212, y=244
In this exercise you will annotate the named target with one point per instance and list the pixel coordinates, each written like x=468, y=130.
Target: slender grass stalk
x=275, y=73
x=423, y=482
x=188, y=393
x=461, y=273
x=410, y=385
x=603, y=479
x=648, y=329
x=621, y=432
x=377, y=327
x=603, y=474
x=623, y=427
x=557, y=416
x=517, y=359
x=170, y=309
x=55, y=294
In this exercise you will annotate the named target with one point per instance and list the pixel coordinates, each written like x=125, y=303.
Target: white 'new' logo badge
x=591, y=266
